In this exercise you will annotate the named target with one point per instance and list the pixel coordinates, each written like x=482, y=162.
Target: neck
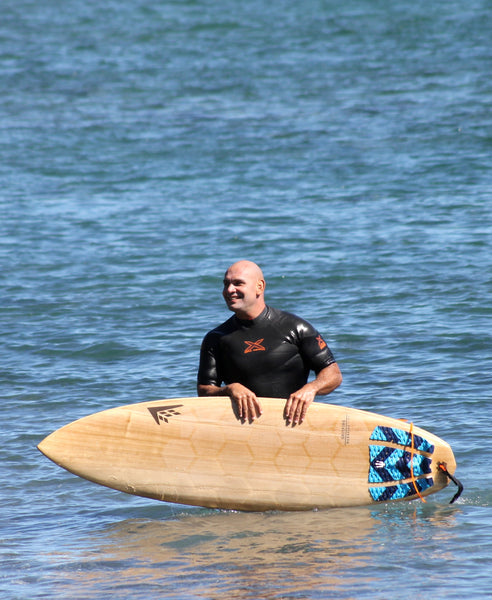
x=251, y=314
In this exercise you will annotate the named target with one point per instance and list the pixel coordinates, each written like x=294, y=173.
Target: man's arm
x=246, y=401
x=327, y=380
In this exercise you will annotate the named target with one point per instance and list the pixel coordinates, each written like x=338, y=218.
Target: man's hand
x=247, y=403
x=298, y=403
x=248, y=406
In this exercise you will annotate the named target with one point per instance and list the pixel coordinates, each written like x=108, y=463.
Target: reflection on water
x=254, y=555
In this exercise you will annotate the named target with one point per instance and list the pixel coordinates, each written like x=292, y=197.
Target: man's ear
x=260, y=286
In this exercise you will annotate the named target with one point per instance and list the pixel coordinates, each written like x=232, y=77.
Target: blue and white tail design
x=389, y=467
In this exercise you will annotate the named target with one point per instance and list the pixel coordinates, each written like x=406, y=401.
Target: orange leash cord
x=412, y=449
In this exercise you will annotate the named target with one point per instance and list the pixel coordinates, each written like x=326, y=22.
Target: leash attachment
x=442, y=466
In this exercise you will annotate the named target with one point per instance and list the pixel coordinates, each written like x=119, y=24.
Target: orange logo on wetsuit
x=254, y=346
x=321, y=342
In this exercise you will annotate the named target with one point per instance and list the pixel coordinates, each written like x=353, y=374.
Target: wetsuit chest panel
x=258, y=350
x=271, y=355
x=263, y=356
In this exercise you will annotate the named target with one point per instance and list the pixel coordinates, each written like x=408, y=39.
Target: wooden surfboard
x=196, y=451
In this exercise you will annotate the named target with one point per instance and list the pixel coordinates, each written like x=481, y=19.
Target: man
x=262, y=351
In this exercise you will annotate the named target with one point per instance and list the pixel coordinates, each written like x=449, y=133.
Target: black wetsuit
x=271, y=355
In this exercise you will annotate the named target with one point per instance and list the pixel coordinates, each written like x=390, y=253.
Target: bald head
x=244, y=289
x=246, y=266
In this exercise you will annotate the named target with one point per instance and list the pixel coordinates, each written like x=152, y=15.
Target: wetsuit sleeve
x=208, y=370
x=314, y=350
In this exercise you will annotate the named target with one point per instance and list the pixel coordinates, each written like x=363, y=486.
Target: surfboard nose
x=54, y=446
x=46, y=447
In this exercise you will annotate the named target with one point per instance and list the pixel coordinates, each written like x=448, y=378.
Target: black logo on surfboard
x=164, y=413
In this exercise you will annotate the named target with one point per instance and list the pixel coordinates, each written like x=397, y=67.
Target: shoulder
x=222, y=329
x=283, y=316
x=289, y=320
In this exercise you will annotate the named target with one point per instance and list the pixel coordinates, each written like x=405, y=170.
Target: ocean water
x=145, y=146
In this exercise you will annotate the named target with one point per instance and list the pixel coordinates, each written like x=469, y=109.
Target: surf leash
x=442, y=466
x=412, y=450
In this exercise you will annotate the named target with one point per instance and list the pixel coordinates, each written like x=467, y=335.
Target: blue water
x=143, y=148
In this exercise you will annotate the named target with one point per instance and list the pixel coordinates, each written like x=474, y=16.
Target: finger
x=255, y=409
x=288, y=408
x=292, y=411
x=258, y=408
x=300, y=411
x=243, y=408
x=251, y=410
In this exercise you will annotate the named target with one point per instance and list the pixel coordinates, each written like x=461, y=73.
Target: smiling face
x=244, y=289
